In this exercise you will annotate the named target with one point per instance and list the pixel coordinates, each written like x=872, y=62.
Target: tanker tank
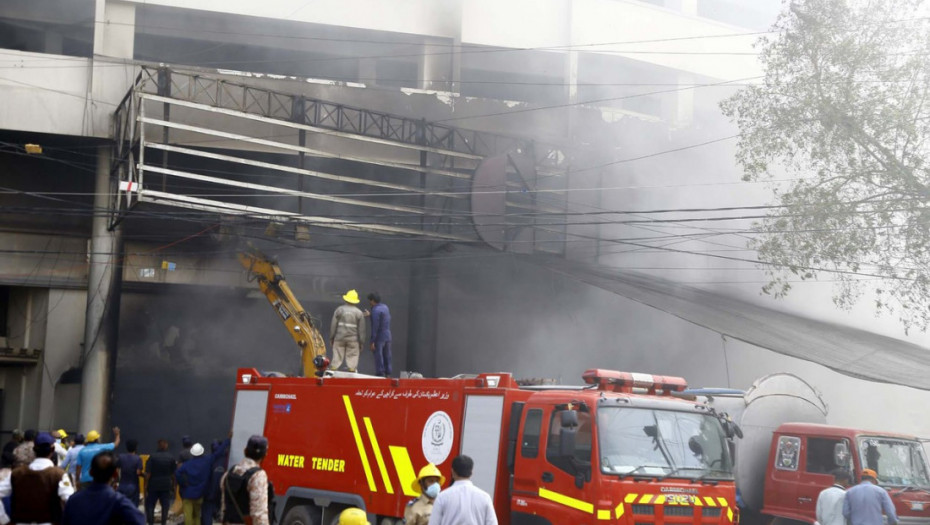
x=771, y=401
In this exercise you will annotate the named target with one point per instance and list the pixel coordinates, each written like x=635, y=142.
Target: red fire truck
x=618, y=449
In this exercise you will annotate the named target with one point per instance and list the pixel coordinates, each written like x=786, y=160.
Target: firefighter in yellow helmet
x=353, y=516
x=428, y=484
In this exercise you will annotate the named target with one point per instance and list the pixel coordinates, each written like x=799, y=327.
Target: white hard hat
x=197, y=450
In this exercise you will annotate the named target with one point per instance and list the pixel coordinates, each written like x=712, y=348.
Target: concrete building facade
x=141, y=319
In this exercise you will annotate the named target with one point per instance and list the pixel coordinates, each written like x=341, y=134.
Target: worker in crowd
x=70, y=462
x=186, y=444
x=25, y=453
x=92, y=446
x=8, y=448
x=353, y=516
x=463, y=502
x=245, y=491
x=345, y=332
x=193, y=477
x=864, y=503
x=428, y=484
x=830, y=500
x=211, y=496
x=60, y=449
x=380, y=334
x=35, y=485
x=130, y=468
x=97, y=503
x=159, y=482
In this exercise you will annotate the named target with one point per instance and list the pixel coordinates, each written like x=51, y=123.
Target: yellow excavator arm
x=279, y=295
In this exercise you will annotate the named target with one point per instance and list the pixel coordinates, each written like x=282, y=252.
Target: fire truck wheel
x=299, y=515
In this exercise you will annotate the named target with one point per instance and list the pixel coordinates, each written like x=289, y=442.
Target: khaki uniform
x=345, y=330
x=418, y=511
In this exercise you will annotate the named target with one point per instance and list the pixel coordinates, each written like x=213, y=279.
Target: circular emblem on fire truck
x=437, y=437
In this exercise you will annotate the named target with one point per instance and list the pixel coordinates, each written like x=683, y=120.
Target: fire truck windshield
x=662, y=443
x=898, y=462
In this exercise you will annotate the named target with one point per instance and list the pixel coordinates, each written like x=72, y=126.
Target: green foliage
x=844, y=111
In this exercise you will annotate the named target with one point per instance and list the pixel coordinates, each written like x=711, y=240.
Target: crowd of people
x=53, y=478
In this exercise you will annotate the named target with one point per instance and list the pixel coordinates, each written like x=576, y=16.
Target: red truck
x=618, y=449
x=788, y=453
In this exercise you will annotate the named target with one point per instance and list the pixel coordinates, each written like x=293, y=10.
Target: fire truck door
x=545, y=482
x=820, y=462
x=248, y=419
x=781, y=484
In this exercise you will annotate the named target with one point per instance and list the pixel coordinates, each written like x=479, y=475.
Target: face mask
x=432, y=491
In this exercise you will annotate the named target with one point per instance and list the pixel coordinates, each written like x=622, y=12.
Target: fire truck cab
x=804, y=457
x=618, y=449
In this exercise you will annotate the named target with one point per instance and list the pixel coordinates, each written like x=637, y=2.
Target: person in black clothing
x=98, y=503
x=211, y=497
x=186, y=444
x=159, y=482
x=130, y=468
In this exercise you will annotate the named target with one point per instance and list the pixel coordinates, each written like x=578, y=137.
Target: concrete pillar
x=103, y=294
x=438, y=67
x=423, y=309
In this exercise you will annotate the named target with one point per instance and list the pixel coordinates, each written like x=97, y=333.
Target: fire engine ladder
x=187, y=139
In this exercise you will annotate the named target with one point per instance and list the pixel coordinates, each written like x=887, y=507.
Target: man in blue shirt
x=92, y=447
x=865, y=502
x=70, y=463
x=193, y=477
x=380, y=334
x=130, y=468
x=98, y=503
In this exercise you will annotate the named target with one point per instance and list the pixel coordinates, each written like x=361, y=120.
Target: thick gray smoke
x=179, y=348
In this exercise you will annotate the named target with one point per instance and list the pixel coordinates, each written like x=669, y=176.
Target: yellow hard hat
x=62, y=434
x=92, y=436
x=429, y=471
x=351, y=297
x=353, y=516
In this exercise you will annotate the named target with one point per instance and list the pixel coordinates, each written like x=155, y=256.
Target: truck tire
x=299, y=515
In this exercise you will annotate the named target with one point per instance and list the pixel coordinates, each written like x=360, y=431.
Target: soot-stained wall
x=179, y=346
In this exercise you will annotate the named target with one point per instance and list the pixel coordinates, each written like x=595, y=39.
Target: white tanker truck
x=787, y=453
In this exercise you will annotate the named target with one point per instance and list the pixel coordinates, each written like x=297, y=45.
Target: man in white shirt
x=463, y=503
x=830, y=500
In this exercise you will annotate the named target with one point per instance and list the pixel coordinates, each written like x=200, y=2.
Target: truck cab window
x=582, y=455
x=786, y=457
x=820, y=455
x=531, y=431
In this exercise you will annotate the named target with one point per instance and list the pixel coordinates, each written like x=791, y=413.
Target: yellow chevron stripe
x=723, y=502
x=404, y=469
x=358, y=443
x=568, y=501
x=630, y=498
x=618, y=512
x=696, y=501
x=729, y=514
x=380, y=459
x=603, y=514
x=659, y=500
x=645, y=499
x=710, y=501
